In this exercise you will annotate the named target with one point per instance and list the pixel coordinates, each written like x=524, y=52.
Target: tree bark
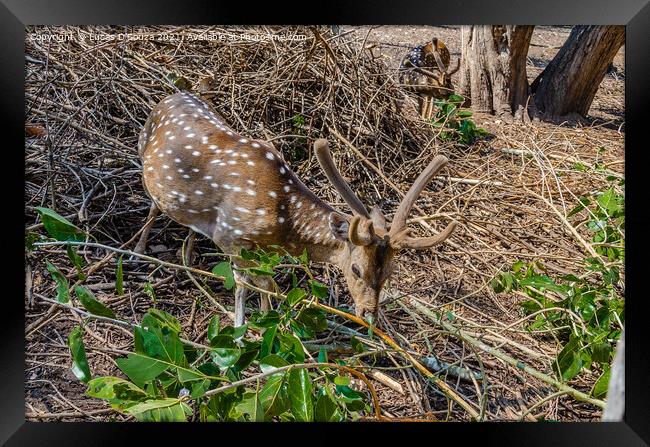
x=568, y=84
x=493, y=68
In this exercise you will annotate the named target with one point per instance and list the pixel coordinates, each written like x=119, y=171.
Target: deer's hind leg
x=142, y=242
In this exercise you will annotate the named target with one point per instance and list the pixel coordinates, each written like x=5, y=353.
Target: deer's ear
x=339, y=226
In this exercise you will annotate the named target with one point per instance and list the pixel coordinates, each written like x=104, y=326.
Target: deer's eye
x=356, y=271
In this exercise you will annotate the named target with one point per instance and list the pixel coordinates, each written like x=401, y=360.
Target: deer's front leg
x=240, y=298
x=265, y=298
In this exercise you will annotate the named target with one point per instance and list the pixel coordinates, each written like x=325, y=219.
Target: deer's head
x=369, y=241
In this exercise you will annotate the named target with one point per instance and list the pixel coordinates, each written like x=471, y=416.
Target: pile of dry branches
x=87, y=100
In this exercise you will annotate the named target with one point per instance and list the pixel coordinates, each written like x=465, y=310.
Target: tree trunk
x=493, y=68
x=568, y=84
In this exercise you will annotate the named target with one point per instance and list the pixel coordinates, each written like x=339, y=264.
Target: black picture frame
x=16, y=14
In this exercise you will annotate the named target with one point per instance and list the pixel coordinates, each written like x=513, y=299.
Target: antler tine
x=451, y=72
x=423, y=243
x=399, y=221
x=438, y=59
x=321, y=147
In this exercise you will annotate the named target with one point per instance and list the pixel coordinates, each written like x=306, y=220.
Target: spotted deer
x=240, y=193
x=425, y=70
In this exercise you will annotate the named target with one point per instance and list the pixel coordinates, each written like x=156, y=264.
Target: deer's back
x=202, y=174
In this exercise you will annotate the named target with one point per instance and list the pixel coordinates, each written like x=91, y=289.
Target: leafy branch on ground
x=585, y=313
x=455, y=123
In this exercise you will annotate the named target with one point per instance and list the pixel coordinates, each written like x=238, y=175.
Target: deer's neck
x=308, y=228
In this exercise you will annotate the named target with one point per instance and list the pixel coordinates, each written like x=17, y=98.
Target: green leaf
x=30, y=238
x=265, y=320
x=59, y=227
x=159, y=342
x=319, y=290
x=502, y=282
x=356, y=345
x=161, y=319
x=295, y=295
x=342, y=380
x=260, y=271
x=569, y=362
x=199, y=388
x=300, y=395
x=543, y=282
x=267, y=341
x=250, y=352
x=115, y=389
x=608, y=201
x=322, y=355
x=162, y=410
x=304, y=258
x=272, y=362
x=600, y=387
x=140, y=368
x=148, y=289
x=186, y=375
x=248, y=255
x=314, y=319
x=326, y=409
x=119, y=278
x=252, y=406
x=274, y=396
x=225, y=351
x=213, y=327
x=62, y=286
x=292, y=347
x=234, y=332
x=80, y=366
x=456, y=98
x=76, y=260
x=224, y=269
x=90, y=303
x=601, y=352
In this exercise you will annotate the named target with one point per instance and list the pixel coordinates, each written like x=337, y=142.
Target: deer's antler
x=321, y=147
x=451, y=72
x=399, y=233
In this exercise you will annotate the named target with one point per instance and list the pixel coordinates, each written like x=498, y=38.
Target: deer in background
x=425, y=71
x=240, y=193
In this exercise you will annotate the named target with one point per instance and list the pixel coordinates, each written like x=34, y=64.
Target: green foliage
x=59, y=227
x=297, y=151
x=80, y=366
x=224, y=270
x=456, y=123
x=169, y=380
x=586, y=312
x=91, y=304
x=30, y=238
x=151, y=293
x=77, y=261
x=62, y=286
x=606, y=221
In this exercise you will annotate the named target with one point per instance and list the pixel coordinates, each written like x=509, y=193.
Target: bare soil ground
x=498, y=200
